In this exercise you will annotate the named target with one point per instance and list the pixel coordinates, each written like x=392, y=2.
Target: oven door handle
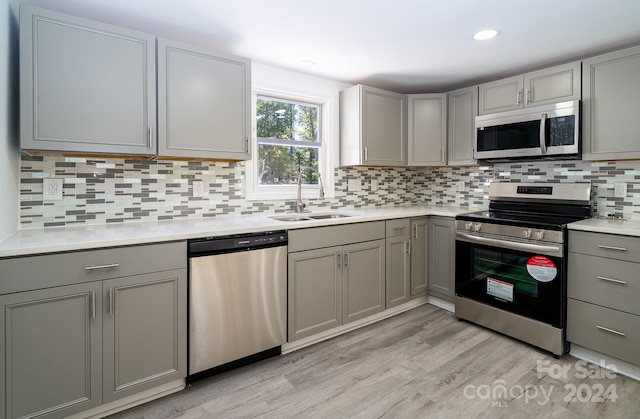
x=526, y=247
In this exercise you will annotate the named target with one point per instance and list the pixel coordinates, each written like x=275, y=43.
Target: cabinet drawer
x=606, y=282
x=44, y=271
x=319, y=237
x=400, y=227
x=601, y=329
x=605, y=245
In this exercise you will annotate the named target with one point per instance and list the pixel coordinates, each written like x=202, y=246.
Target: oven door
x=523, y=278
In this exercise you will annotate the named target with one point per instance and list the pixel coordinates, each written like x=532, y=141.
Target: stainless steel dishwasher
x=237, y=298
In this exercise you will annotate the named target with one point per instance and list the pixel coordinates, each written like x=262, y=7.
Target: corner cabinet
x=442, y=254
x=555, y=84
x=372, y=127
x=204, y=103
x=427, y=130
x=83, y=329
x=611, y=99
x=461, y=135
x=85, y=87
x=335, y=276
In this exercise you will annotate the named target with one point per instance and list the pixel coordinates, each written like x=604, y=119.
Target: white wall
x=9, y=156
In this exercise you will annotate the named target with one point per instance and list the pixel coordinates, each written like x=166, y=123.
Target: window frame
x=254, y=191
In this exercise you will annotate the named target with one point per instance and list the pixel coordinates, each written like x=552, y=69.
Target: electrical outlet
x=52, y=189
x=620, y=190
x=374, y=185
x=198, y=188
x=354, y=185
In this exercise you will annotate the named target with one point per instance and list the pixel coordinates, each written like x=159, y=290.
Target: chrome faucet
x=300, y=206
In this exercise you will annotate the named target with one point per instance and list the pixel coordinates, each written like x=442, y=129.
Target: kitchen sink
x=307, y=217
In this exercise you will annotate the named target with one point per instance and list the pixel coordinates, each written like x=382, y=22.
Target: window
x=289, y=141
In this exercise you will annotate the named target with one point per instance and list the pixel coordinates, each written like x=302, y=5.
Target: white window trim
x=253, y=192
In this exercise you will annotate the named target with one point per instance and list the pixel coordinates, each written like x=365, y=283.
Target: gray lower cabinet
x=419, y=256
x=335, y=275
x=82, y=329
x=441, y=250
x=398, y=270
x=611, y=99
x=51, y=349
x=85, y=87
x=603, y=289
x=212, y=120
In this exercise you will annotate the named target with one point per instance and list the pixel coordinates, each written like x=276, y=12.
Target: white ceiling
x=408, y=46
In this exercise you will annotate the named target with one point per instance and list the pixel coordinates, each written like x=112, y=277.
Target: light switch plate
x=354, y=185
x=52, y=189
x=620, y=190
x=198, y=188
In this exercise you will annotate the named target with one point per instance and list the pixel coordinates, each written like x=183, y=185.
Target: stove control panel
x=472, y=226
x=508, y=231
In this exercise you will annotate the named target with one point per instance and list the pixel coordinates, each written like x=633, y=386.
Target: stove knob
x=467, y=226
x=476, y=226
x=539, y=235
x=526, y=234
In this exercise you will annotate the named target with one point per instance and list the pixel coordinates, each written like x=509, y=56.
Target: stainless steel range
x=511, y=260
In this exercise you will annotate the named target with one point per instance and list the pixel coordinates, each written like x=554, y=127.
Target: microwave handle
x=543, y=129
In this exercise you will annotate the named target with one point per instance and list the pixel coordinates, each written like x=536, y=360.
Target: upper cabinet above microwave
x=85, y=86
x=90, y=88
x=550, y=85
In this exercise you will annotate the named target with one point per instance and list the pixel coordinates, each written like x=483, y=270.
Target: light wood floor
x=422, y=363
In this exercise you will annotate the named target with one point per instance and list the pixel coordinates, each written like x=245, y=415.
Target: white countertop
x=608, y=225
x=63, y=239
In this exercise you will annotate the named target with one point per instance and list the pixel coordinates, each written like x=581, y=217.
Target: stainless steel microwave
x=551, y=131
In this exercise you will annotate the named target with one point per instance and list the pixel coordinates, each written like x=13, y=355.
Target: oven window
x=524, y=283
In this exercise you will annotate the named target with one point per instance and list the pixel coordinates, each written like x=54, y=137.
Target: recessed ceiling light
x=485, y=34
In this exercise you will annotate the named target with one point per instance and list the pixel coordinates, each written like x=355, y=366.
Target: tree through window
x=289, y=139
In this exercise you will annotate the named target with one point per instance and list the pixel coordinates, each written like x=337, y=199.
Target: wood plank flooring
x=422, y=363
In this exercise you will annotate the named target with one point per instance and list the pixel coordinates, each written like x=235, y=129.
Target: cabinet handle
x=518, y=96
x=407, y=246
x=346, y=260
x=96, y=267
x=339, y=260
x=246, y=144
x=473, y=154
x=617, y=281
x=366, y=154
x=620, y=249
x=615, y=332
x=150, y=137
x=398, y=228
x=93, y=304
x=415, y=231
x=111, y=302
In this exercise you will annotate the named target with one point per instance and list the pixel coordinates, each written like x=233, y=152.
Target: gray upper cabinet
x=611, y=99
x=427, y=129
x=372, y=127
x=51, y=351
x=86, y=87
x=555, y=84
x=463, y=109
x=204, y=103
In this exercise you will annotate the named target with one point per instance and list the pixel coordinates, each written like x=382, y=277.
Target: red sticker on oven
x=542, y=269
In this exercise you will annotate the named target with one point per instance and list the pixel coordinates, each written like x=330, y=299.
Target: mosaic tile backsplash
x=115, y=190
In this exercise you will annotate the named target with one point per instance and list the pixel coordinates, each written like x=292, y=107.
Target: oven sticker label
x=542, y=269
x=500, y=289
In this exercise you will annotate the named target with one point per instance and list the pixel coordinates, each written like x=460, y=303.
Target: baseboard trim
x=605, y=361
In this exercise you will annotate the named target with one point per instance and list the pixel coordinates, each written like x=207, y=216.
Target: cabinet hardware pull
x=339, y=260
x=346, y=260
x=111, y=302
x=415, y=231
x=366, y=154
x=150, y=137
x=95, y=267
x=408, y=247
x=518, y=96
x=246, y=144
x=93, y=304
x=621, y=249
x=615, y=332
x=398, y=228
x=473, y=154
x=617, y=281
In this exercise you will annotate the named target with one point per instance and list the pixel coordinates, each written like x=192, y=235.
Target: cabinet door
x=501, y=95
x=427, y=129
x=611, y=99
x=383, y=122
x=145, y=332
x=50, y=348
x=204, y=103
x=85, y=86
x=363, y=279
x=441, y=250
x=552, y=85
x=463, y=109
x=419, y=256
x=398, y=270
x=314, y=291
